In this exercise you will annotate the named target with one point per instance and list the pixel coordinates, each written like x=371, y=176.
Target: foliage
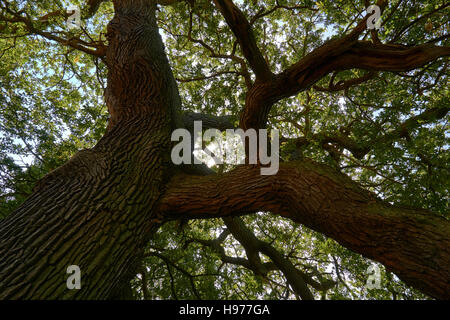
x=51, y=106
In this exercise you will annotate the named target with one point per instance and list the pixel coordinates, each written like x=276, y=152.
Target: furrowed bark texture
x=97, y=210
x=412, y=243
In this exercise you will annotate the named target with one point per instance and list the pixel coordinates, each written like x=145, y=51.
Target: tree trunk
x=98, y=210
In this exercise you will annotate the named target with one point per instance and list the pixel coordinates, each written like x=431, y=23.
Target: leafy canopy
x=379, y=131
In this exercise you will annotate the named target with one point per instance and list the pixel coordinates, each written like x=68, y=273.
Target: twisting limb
x=242, y=30
x=296, y=278
x=414, y=244
x=332, y=56
x=360, y=148
x=335, y=55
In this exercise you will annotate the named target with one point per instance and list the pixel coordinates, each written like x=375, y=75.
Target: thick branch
x=414, y=244
x=335, y=55
x=244, y=34
x=208, y=121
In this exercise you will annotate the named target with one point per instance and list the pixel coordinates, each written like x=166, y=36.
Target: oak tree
x=87, y=178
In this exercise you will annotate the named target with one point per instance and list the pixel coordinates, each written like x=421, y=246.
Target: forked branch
x=414, y=244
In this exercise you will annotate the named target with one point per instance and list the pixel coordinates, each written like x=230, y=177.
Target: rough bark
x=414, y=244
x=253, y=246
x=97, y=210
